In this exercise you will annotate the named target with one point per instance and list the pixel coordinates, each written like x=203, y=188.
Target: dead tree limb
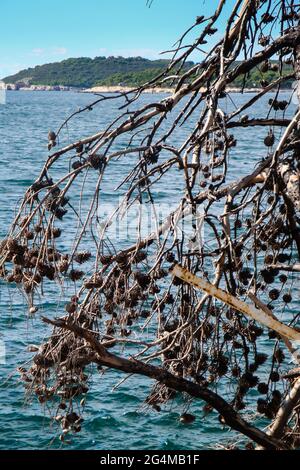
x=231, y=417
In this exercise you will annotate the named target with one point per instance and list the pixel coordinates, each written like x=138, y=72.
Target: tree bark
x=249, y=310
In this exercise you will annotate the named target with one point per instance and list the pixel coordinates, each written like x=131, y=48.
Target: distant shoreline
x=123, y=89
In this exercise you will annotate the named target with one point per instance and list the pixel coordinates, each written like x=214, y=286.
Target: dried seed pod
x=63, y=265
x=29, y=234
x=14, y=247
x=235, y=371
x=277, y=396
x=267, y=18
x=282, y=104
x=151, y=155
x=38, y=228
x=10, y=278
x=177, y=281
x=264, y=83
x=82, y=257
x=287, y=298
x=265, y=67
x=199, y=19
x=282, y=258
x=283, y=278
x=105, y=260
x=109, y=307
x=71, y=418
x=121, y=258
x=169, y=299
x=51, y=136
x=75, y=275
x=274, y=67
x=60, y=213
x=53, y=256
x=261, y=405
x=279, y=355
x=28, y=286
x=263, y=388
x=3, y=272
x=269, y=139
x=170, y=257
x=274, y=294
x=71, y=307
x=33, y=261
x=140, y=255
x=269, y=259
x=244, y=118
x=46, y=270
x=260, y=359
x=160, y=273
x=77, y=165
x=94, y=283
x=264, y=40
x=79, y=148
x=42, y=361
x=3, y=245
x=18, y=260
x=55, y=232
x=274, y=376
x=145, y=313
x=97, y=161
x=187, y=418
x=64, y=201
x=142, y=279
x=33, y=310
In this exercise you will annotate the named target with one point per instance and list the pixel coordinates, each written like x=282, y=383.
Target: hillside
x=112, y=71
x=84, y=72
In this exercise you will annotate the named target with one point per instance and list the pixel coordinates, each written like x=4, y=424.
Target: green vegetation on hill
x=84, y=72
x=130, y=78
x=132, y=71
x=255, y=78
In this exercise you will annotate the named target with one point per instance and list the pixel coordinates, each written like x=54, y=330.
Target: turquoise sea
x=113, y=419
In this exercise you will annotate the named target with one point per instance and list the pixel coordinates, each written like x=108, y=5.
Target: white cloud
x=48, y=52
x=59, y=50
x=37, y=52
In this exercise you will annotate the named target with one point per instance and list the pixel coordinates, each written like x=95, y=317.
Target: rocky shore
x=125, y=89
x=17, y=87
x=110, y=89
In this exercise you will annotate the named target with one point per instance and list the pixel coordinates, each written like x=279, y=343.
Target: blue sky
x=34, y=32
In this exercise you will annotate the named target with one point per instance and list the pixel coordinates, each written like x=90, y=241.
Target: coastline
x=123, y=89
x=120, y=89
